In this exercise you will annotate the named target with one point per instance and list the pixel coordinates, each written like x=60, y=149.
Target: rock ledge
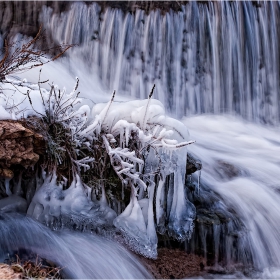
x=18, y=146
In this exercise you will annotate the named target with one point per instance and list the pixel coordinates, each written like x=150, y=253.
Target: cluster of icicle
x=158, y=174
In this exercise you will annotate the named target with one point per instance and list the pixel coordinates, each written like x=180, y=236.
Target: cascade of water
x=241, y=164
x=211, y=57
x=80, y=255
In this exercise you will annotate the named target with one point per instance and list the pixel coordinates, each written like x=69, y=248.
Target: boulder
x=193, y=164
x=18, y=146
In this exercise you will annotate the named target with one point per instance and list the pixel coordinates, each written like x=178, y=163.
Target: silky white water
x=253, y=192
x=211, y=57
x=208, y=58
x=80, y=255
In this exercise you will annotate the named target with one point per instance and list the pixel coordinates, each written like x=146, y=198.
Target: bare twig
x=20, y=59
x=147, y=107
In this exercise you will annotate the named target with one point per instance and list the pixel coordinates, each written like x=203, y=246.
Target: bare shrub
x=18, y=57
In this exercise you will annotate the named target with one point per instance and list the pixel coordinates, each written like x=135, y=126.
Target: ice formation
x=147, y=150
x=54, y=206
x=137, y=224
x=166, y=156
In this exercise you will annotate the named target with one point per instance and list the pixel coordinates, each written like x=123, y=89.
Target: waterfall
x=218, y=60
x=213, y=57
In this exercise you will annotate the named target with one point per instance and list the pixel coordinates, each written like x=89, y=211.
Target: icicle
x=74, y=206
x=122, y=190
x=151, y=232
x=108, y=213
x=133, y=214
x=7, y=187
x=18, y=189
x=203, y=234
x=198, y=182
x=127, y=134
x=13, y=203
x=170, y=194
x=216, y=234
x=132, y=224
x=182, y=212
x=127, y=210
x=160, y=213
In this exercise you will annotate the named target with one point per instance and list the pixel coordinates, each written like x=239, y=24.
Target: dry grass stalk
x=29, y=269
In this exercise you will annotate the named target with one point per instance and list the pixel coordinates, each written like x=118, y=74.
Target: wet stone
x=193, y=164
x=204, y=216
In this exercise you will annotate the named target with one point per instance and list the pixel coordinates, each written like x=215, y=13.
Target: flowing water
x=210, y=58
x=241, y=163
x=80, y=255
x=214, y=57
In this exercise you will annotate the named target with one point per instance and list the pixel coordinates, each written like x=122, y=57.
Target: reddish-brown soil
x=174, y=264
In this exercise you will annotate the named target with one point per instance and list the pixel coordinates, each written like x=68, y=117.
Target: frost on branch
x=123, y=164
x=147, y=150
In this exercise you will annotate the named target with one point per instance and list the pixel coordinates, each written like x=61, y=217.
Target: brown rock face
x=6, y=173
x=18, y=146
